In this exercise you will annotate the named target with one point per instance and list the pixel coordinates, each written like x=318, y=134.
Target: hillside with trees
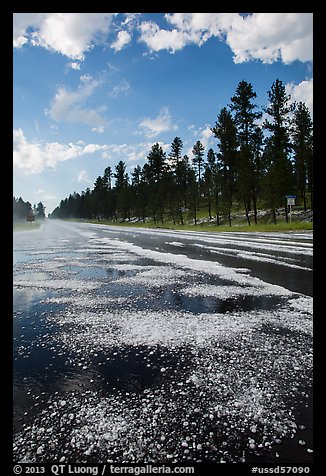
x=257, y=163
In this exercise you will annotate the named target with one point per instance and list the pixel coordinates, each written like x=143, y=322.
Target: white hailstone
x=163, y=369
x=302, y=442
x=62, y=459
x=184, y=444
x=40, y=450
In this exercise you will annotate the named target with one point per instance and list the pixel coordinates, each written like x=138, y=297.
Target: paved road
x=137, y=345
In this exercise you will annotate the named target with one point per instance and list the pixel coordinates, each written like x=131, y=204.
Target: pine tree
x=279, y=178
x=122, y=190
x=209, y=180
x=175, y=154
x=244, y=116
x=138, y=193
x=198, y=159
x=302, y=137
x=99, y=196
x=225, y=130
x=156, y=169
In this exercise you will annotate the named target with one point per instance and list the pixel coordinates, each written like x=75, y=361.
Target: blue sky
x=91, y=89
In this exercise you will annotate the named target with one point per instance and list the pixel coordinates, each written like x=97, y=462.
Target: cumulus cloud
x=123, y=39
x=23, y=21
x=158, y=39
x=259, y=36
x=272, y=36
x=302, y=92
x=266, y=37
x=162, y=123
x=68, y=106
x=33, y=157
x=71, y=34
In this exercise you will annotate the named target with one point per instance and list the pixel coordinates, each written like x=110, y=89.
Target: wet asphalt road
x=134, y=345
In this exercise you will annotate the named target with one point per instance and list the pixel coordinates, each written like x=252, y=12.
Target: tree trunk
x=247, y=213
x=217, y=213
x=254, y=201
x=286, y=211
x=304, y=200
x=209, y=209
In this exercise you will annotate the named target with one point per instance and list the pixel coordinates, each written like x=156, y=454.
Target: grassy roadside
x=25, y=226
x=240, y=227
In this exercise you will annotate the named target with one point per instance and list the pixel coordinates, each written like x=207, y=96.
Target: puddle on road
x=174, y=299
x=117, y=361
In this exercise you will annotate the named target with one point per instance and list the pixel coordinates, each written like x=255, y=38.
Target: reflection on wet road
x=134, y=345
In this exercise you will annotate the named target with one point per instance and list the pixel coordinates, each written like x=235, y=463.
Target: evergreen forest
x=23, y=211
x=256, y=164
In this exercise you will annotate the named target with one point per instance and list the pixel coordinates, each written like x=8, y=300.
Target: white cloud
x=99, y=129
x=162, y=123
x=123, y=39
x=204, y=134
x=272, y=36
x=266, y=37
x=260, y=36
x=158, y=39
x=133, y=152
x=83, y=177
x=21, y=21
x=71, y=34
x=33, y=157
x=67, y=106
x=74, y=65
x=123, y=87
x=302, y=92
